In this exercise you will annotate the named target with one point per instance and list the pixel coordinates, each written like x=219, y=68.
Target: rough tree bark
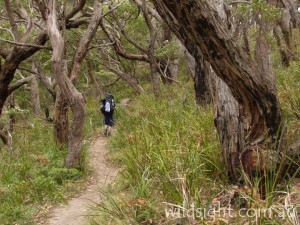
x=34, y=90
x=199, y=72
x=200, y=28
x=12, y=60
x=61, y=119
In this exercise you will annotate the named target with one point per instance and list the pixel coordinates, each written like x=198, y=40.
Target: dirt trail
x=77, y=209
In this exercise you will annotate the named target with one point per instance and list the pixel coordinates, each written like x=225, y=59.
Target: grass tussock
x=171, y=166
x=32, y=173
x=169, y=152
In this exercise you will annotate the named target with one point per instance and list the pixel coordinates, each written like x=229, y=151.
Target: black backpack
x=108, y=98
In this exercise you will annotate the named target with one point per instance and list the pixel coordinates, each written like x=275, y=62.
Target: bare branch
x=126, y=35
x=76, y=23
x=132, y=81
x=150, y=10
x=9, y=31
x=113, y=8
x=30, y=24
x=114, y=82
x=12, y=21
x=26, y=45
x=119, y=49
x=19, y=83
x=76, y=9
x=239, y=2
x=85, y=41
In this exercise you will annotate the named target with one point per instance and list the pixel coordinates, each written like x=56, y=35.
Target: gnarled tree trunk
x=200, y=28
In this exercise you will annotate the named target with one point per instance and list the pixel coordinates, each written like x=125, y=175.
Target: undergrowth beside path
x=172, y=169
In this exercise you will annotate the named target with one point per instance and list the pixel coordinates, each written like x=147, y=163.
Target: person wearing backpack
x=108, y=106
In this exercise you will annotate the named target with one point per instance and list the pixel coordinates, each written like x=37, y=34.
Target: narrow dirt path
x=77, y=209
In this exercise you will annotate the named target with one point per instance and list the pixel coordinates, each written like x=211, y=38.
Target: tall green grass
x=169, y=152
x=32, y=174
x=170, y=156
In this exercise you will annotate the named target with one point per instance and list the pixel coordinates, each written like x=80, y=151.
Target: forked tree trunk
x=75, y=99
x=200, y=28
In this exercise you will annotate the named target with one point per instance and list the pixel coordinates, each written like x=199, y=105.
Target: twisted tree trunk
x=75, y=98
x=200, y=28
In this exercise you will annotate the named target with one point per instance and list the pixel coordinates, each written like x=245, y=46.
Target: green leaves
x=259, y=8
x=169, y=49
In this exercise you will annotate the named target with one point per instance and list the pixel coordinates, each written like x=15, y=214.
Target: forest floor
x=77, y=209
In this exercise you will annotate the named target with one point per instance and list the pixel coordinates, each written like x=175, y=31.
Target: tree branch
x=9, y=31
x=126, y=35
x=12, y=21
x=150, y=10
x=75, y=9
x=26, y=45
x=119, y=49
x=19, y=83
x=85, y=41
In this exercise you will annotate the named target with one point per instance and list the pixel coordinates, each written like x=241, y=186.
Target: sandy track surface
x=77, y=209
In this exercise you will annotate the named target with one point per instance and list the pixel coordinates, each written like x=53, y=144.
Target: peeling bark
x=61, y=120
x=200, y=28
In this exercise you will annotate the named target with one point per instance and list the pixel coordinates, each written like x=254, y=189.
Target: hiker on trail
x=108, y=106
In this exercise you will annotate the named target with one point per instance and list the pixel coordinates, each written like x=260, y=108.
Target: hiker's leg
x=106, y=124
x=109, y=130
x=110, y=124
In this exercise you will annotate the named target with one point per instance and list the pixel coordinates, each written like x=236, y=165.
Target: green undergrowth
x=32, y=173
x=288, y=83
x=169, y=154
x=170, y=159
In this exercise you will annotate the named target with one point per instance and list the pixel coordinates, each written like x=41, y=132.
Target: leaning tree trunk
x=200, y=28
